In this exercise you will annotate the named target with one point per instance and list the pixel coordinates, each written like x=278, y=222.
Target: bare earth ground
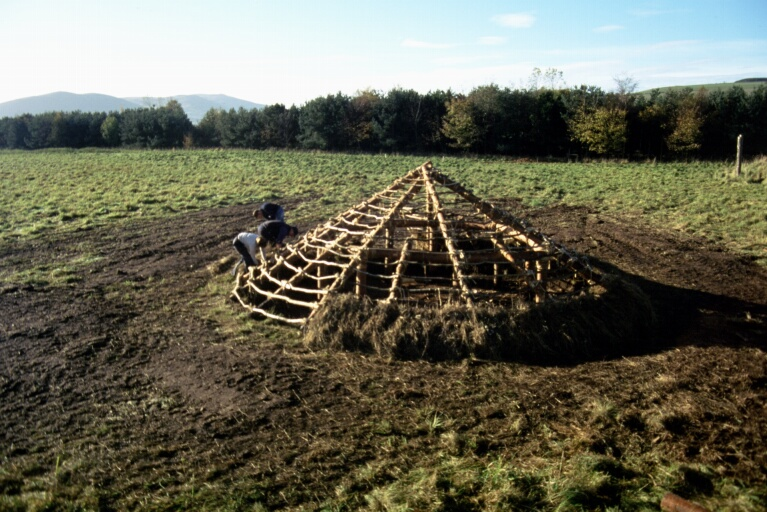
x=119, y=385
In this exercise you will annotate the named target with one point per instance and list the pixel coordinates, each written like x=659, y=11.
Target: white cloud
x=515, y=20
x=609, y=28
x=491, y=40
x=414, y=43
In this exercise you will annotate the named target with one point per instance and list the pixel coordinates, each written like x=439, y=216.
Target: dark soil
x=122, y=380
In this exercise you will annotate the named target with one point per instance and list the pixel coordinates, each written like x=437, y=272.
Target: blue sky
x=291, y=51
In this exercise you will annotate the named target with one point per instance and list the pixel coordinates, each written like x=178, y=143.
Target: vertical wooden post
x=362, y=277
x=319, y=282
x=540, y=291
x=738, y=155
x=429, y=229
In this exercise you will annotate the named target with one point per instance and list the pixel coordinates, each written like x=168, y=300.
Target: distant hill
x=195, y=105
x=747, y=84
x=746, y=80
x=64, y=102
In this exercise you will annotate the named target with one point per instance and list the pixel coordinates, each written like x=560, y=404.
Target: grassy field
x=63, y=190
x=748, y=87
x=434, y=455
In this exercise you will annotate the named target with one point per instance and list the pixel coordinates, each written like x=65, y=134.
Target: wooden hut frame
x=425, y=241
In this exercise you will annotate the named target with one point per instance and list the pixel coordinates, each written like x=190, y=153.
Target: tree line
x=536, y=121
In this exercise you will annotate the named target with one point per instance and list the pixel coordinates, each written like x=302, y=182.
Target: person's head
x=257, y=213
x=293, y=231
x=262, y=242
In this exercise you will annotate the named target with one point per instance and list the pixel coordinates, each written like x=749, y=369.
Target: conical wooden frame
x=425, y=241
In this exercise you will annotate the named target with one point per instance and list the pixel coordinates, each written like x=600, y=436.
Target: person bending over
x=245, y=244
x=274, y=232
x=270, y=211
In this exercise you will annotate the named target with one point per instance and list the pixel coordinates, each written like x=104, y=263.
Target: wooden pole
x=738, y=155
x=458, y=276
x=319, y=282
x=540, y=289
x=429, y=229
x=401, y=265
x=362, y=276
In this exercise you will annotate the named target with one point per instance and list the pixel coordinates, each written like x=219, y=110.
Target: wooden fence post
x=738, y=156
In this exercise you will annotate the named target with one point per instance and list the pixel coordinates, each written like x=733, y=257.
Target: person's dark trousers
x=246, y=257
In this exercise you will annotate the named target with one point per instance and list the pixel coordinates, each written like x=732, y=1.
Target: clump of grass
x=585, y=482
x=755, y=171
x=59, y=274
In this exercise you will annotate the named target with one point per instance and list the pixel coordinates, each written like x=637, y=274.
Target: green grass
x=70, y=190
x=65, y=190
x=748, y=87
x=53, y=274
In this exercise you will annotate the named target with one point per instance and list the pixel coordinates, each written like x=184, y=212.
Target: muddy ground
x=118, y=390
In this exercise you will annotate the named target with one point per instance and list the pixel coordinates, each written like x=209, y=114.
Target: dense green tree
x=756, y=136
x=398, y=120
x=548, y=128
x=207, y=133
x=685, y=124
x=155, y=128
x=4, y=123
x=601, y=130
x=110, y=130
x=433, y=108
x=517, y=128
x=227, y=128
x=322, y=123
x=726, y=116
x=173, y=125
x=39, y=129
x=579, y=107
x=651, y=128
x=488, y=109
x=279, y=126
x=17, y=132
x=247, y=128
x=136, y=127
x=459, y=126
x=538, y=121
x=78, y=129
x=360, y=129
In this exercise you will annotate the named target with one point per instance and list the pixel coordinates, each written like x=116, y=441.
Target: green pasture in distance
x=63, y=190
x=748, y=87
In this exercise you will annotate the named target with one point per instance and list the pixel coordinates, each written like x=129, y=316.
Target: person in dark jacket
x=270, y=211
x=274, y=232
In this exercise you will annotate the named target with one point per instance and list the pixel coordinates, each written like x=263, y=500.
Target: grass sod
x=63, y=190
x=614, y=318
